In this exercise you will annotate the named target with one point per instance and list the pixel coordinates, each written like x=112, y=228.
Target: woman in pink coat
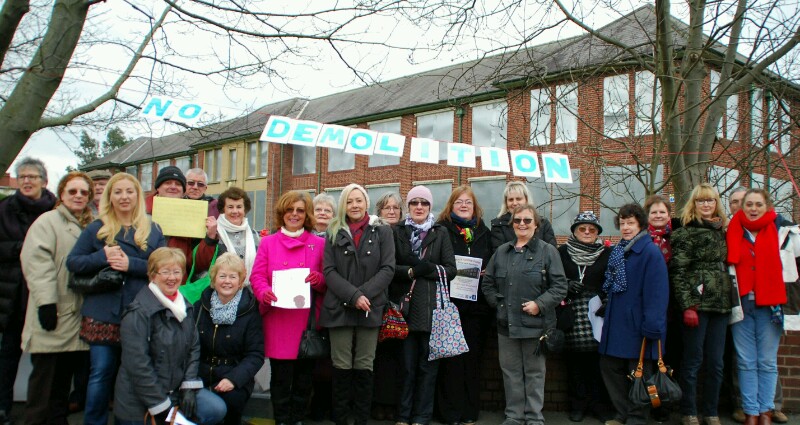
x=293, y=246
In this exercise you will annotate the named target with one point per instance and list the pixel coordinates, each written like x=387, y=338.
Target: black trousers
x=459, y=380
x=615, y=375
x=587, y=393
x=48, y=387
x=290, y=388
x=235, y=400
x=10, y=353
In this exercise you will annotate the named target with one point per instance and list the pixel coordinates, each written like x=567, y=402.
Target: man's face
x=99, y=188
x=735, y=202
x=170, y=189
x=195, y=186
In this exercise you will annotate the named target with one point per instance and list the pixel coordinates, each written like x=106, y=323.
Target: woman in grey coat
x=525, y=282
x=421, y=246
x=358, y=266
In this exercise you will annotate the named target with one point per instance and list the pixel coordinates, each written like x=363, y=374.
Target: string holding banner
x=362, y=141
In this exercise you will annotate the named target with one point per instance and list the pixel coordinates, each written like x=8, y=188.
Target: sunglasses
x=295, y=210
x=198, y=184
x=522, y=220
x=423, y=203
x=74, y=192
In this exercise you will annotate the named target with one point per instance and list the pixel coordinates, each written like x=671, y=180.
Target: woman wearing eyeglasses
x=459, y=386
x=389, y=207
x=420, y=246
x=293, y=246
x=53, y=319
x=524, y=282
x=324, y=211
x=702, y=289
x=514, y=195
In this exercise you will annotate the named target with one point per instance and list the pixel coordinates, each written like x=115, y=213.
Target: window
x=391, y=126
x=213, y=164
x=724, y=180
x=262, y=156
x=567, y=114
x=489, y=124
x=162, y=164
x=146, y=177
x=779, y=124
x=490, y=196
x=619, y=186
x=615, y=104
x=729, y=124
x=648, y=103
x=232, y=164
x=558, y=203
x=437, y=126
x=256, y=159
x=540, y=117
x=132, y=170
x=183, y=163
x=339, y=160
x=757, y=118
x=781, y=192
x=304, y=159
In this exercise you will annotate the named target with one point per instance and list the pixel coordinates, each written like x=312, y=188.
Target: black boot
x=281, y=404
x=362, y=385
x=342, y=381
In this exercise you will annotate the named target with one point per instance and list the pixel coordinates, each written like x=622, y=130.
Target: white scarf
x=226, y=226
x=177, y=307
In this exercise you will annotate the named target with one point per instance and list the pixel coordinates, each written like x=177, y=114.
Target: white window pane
x=724, y=180
x=619, y=186
x=558, y=203
x=162, y=164
x=785, y=125
x=252, y=159
x=262, y=154
x=437, y=126
x=615, y=103
x=540, y=117
x=648, y=103
x=392, y=126
x=489, y=124
x=440, y=192
x=146, y=178
x=217, y=164
x=132, y=170
x=304, y=159
x=732, y=118
x=339, y=160
x=489, y=194
x=183, y=163
x=232, y=156
x=567, y=113
x=757, y=117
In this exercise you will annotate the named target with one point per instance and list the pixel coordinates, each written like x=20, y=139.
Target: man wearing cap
x=196, y=185
x=100, y=179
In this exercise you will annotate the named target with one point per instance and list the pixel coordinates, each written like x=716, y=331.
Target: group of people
x=669, y=284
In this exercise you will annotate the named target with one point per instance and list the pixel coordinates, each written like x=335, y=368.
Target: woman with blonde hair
x=514, y=195
x=698, y=258
x=122, y=238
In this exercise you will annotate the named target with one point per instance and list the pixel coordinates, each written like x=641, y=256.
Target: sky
x=320, y=73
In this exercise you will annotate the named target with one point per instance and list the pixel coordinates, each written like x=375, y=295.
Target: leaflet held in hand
x=291, y=288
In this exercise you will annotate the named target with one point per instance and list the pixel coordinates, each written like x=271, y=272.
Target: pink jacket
x=284, y=327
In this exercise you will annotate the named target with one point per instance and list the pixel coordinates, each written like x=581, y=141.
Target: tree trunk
x=10, y=16
x=23, y=110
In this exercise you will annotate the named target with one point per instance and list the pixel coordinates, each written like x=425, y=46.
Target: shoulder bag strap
x=639, y=367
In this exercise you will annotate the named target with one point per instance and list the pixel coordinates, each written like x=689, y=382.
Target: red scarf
x=659, y=238
x=357, y=228
x=762, y=271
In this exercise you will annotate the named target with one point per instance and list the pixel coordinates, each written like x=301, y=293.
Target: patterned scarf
x=465, y=227
x=228, y=229
x=616, y=278
x=420, y=230
x=584, y=254
x=660, y=239
x=224, y=314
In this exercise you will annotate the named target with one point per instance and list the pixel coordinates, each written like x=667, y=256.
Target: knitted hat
x=170, y=172
x=99, y=175
x=420, y=192
x=587, y=217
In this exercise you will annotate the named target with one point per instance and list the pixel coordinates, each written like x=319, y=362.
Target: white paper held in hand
x=291, y=288
x=177, y=416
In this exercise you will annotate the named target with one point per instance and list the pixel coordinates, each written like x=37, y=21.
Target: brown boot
x=750, y=419
x=765, y=418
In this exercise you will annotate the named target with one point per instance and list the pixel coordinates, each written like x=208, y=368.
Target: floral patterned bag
x=447, y=336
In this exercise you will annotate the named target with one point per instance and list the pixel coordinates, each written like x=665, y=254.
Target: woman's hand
x=119, y=262
x=211, y=227
x=531, y=308
x=112, y=251
x=224, y=386
x=362, y=303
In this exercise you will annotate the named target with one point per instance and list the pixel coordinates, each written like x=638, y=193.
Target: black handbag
x=314, y=344
x=106, y=280
x=656, y=390
x=565, y=315
x=551, y=342
x=405, y=301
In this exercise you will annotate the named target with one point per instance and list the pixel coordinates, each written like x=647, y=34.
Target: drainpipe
x=767, y=126
x=460, y=113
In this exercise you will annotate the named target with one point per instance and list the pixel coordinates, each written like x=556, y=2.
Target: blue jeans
x=210, y=410
x=756, y=340
x=706, y=341
x=419, y=381
x=103, y=366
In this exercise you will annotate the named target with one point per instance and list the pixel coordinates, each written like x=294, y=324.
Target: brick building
x=562, y=96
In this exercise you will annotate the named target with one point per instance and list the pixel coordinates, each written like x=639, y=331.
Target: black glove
x=48, y=316
x=601, y=312
x=575, y=286
x=161, y=418
x=422, y=269
x=188, y=402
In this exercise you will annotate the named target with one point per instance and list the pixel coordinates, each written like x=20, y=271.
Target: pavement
x=259, y=411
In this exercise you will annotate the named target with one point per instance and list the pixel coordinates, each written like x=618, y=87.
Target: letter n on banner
x=424, y=150
x=525, y=164
x=277, y=129
x=556, y=168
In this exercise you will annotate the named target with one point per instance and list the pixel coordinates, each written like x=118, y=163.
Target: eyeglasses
x=463, y=202
x=74, y=192
x=708, y=201
x=416, y=202
x=587, y=229
x=522, y=220
x=168, y=273
x=194, y=183
x=391, y=208
x=291, y=210
x=31, y=177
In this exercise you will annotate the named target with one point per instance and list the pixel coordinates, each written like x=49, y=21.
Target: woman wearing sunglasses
x=524, y=282
x=420, y=246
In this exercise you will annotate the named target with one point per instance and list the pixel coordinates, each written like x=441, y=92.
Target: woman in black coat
x=458, y=389
x=514, y=195
x=420, y=246
x=231, y=336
